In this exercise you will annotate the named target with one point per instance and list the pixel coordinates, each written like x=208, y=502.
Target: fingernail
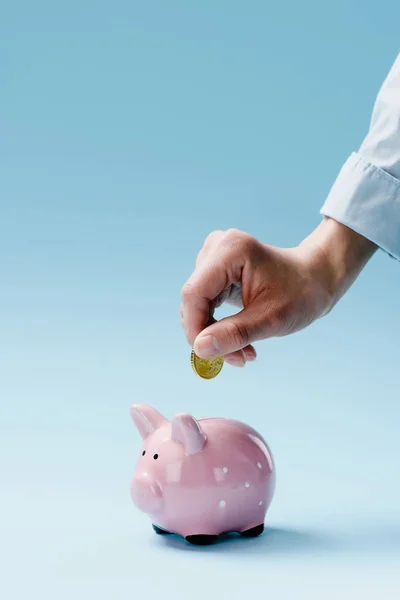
x=207, y=346
x=250, y=357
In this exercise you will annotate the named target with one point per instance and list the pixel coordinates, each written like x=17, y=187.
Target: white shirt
x=366, y=193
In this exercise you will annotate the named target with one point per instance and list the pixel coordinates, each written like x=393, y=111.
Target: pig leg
x=201, y=540
x=160, y=531
x=253, y=532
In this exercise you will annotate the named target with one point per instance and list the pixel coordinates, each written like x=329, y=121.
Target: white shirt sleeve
x=366, y=194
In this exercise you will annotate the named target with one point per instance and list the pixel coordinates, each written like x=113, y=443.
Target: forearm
x=337, y=255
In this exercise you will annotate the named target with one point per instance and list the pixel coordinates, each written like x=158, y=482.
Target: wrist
x=336, y=255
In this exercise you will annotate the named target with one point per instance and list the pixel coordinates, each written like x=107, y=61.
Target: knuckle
x=187, y=291
x=233, y=235
x=240, y=240
x=234, y=231
x=211, y=237
x=209, y=243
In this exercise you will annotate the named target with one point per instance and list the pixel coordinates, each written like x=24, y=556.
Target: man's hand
x=279, y=291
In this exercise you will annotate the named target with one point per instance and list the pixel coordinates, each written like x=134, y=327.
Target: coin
x=206, y=368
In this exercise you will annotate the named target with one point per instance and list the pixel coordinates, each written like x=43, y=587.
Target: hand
x=279, y=290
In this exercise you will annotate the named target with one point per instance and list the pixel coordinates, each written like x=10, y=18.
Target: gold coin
x=206, y=368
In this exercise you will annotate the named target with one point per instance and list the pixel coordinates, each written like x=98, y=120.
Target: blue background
x=128, y=131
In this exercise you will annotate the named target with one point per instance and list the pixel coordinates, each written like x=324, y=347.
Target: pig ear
x=146, y=419
x=187, y=431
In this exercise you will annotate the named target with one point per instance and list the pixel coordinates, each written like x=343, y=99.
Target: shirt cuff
x=367, y=200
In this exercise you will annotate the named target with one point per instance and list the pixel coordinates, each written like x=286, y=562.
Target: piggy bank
x=200, y=478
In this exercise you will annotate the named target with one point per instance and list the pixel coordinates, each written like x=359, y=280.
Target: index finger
x=198, y=294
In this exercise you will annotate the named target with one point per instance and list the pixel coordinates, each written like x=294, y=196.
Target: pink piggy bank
x=200, y=478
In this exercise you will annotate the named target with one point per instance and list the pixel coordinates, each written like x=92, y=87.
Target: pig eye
x=155, y=456
x=144, y=452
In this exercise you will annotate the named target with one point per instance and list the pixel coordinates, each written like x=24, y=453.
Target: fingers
x=195, y=313
x=241, y=357
x=210, y=242
x=234, y=333
x=238, y=358
x=250, y=353
x=216, y=270
x=218, y=276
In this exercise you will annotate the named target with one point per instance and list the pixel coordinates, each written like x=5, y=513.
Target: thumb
x=233, y=333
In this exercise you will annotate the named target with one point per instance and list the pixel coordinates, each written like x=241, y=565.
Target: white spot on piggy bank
x=178, y=480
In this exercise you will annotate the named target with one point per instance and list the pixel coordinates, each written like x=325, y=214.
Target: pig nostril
x=144, y=452
x=155, y=456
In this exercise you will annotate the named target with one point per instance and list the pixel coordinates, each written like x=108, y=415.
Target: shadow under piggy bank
x=375, y=540
x=274, y=540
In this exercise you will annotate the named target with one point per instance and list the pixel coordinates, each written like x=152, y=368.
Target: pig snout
x=146, y=494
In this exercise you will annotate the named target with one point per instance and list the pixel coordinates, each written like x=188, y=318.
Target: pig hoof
x=161, y=531
x=253, y=532
x=201, y=540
